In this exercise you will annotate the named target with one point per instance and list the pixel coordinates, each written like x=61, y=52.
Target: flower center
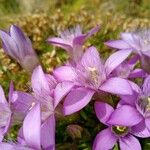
x=146, y=42
x=93, y=74
x=120, y=130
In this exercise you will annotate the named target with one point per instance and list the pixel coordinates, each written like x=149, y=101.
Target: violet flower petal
x=2, y=99
x=61, y=90
x=125, y=115
x=39, y=81
x=32, y=127
x=116, y=59
x=116, y=85
x=104, y=140
x=140, y=130
x=118, y=44
x=147, y=122
x=129, y=142
x=60, y=43
x=76, y=100
x=103, y=111
x=48, y=133
x=65, y=73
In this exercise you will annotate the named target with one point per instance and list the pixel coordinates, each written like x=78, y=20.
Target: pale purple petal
x=9, y=45
x=7, y=146
x=129, y=142
x=79, y=40
x=51, y=81
x=91, y=59
x=2, y=99
x=39, y=81
x=21, y=103
x=117, y=86
x=76, y=100
x=140, y=130
x=18, y=37
x=131, y=39
x=60, y=43
x=48, y=133
x=116, y=59
x=131, y=99
x=125, y=115
x=61, y=90
x=65, y=73
x=32, y=127
x=105, y=140
x=118, y=44
x=103, y=111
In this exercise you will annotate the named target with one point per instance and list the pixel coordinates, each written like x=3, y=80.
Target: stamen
x=120, y=130
x=146, y=42
x=93, y=73
x=32, y=105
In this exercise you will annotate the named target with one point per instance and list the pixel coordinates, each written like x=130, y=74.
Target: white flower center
x=93, y=74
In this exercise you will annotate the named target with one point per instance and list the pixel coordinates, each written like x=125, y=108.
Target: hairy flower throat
x=120, y=130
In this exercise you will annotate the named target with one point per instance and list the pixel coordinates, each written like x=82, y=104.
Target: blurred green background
x=40, y=19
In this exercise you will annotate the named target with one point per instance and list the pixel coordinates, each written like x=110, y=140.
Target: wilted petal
x=118, y=44
x=32, y=127
x=65, y=73
x=116, y=86
x=61, y=90
x=103, y=111
x=104, y=140
x=76, y=100
x=129, y=142
x=48, y=133
x=116, y=59
x=39, y=82
x=125, y=115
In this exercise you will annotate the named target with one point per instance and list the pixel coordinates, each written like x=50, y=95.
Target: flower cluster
x=84, y=78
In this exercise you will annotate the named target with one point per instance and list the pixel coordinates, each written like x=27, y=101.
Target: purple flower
x=127, y=69
x=120, y=122
x=141, y=101
x=19, y=47
x=91, y=76
x=72, y=41
x=33, y=134
x=138, y=42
